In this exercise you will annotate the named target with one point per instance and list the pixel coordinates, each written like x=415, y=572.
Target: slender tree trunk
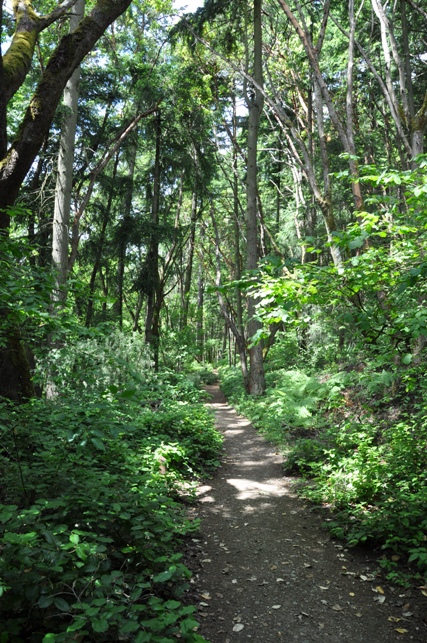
x=240, y=338
x=255, y=102
x=100, y=247
x=154, y=298
x=189, y=269
x=226, y=309
x=124, y=232
x=64, y=179
x=199, y=314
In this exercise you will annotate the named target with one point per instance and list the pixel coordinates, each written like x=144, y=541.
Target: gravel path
x=266, y=571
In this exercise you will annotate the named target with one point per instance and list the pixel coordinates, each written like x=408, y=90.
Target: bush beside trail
x=91, y=510
x=360, y=437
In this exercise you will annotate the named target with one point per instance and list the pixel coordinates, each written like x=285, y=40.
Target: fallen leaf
x=276, y=607
x=337, y=608
x=394, y=619
x=238, y=627
x=252, y=579
x=395, y=558
x=379, y=589
x=407, y=614
x=234, y=580
x=401, y=630
x=273, y=567
x=351, y=594
x=359, y=615
x=203, y=604
x=280, y=580
x=307, y=565
x=423, y=592
x=379, y=599
x=321, y=587
x=206, y=596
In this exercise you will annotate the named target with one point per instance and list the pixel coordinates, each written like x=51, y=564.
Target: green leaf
x=130, y=626
x=356, y=243
x=49, y=638
x=98, y=444
x=100, y=625
x=77, y=624
x=45, y=601
x=127, y=394
x=143, y=637
x=407, y=359
x=74, y=538
x=188, y=625
x=163, y=576
x=61, y=604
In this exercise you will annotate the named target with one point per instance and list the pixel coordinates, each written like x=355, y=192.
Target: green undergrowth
x=360, y=437
x=93, y=486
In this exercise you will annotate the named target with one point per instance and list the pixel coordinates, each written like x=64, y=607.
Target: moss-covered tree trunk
x=16, y=161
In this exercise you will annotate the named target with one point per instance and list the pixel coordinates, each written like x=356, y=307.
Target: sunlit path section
x=266, y=570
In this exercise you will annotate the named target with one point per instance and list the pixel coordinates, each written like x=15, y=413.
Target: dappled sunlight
x=253, y=489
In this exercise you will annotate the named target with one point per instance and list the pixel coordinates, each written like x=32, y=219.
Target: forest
x=237, y=192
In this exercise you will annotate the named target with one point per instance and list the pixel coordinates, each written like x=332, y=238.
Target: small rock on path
x=266, y=571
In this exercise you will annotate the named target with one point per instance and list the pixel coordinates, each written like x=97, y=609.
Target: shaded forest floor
x=266, y=570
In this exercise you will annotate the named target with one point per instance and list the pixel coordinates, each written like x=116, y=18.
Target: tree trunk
x=255, y=103
x=100, y=247
x=124, y=232
x=154, y=298
x=199, y=313
x=64, y=179
x=189, y=268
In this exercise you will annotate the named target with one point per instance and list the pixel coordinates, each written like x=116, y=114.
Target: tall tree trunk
x=154, y=299
x=64, y=179
x=189, y=268
x=124, y=232
x=199, y=313
x=100, y=247
x=255, y=103
x=240, y=339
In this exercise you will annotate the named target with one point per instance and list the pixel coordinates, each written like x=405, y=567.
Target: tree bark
x=64, y=179
x=255, y=103
x=154, y=296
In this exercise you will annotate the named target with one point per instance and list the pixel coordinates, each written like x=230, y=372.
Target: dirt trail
x=266, y=571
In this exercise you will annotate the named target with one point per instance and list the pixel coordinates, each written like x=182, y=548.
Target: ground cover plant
x=91, y=508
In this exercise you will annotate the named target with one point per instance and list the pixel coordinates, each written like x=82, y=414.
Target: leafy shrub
x=89, y=519
x=367, y=459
